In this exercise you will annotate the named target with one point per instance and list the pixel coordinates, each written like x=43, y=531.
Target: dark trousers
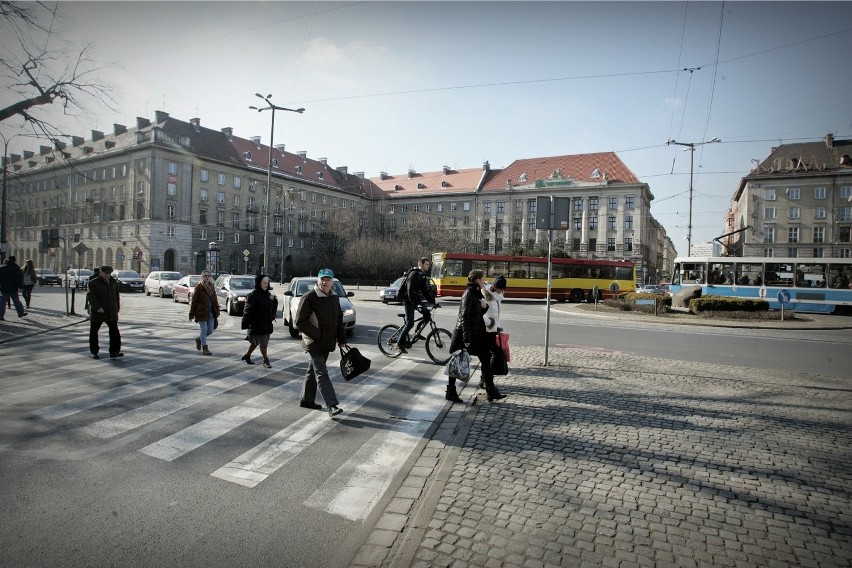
x=27, y=293
x=114, y=337
x=408, y=324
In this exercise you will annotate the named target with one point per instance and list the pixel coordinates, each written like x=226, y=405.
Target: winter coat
x=260, y=310
x=199, y=309
x=103, y=294
x=320, y=320
x=470, y=327
x=418, y=290
x=491, y=317
x=11, y=277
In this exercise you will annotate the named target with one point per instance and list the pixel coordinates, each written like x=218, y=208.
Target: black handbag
x=352, y=363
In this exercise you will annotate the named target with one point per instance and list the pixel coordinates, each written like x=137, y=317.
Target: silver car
x=298, y=287
x=160, y=282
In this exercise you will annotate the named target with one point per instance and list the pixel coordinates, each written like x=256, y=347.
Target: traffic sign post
x=783, y=299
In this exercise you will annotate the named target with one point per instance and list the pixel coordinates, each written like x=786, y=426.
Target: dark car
x=128, y=280
x=47, y=277
x=388, y=295
x=232, y=290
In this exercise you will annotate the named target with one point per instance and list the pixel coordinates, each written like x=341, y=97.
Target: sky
x=389, y=86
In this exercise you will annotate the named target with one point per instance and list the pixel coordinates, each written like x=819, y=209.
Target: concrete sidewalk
x=605, y=459
x=47, y=312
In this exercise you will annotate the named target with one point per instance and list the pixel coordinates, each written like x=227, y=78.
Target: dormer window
x=298, y=169
x=247, y=156
x=596, y=173
x=421, y=186
x=397, y=187
x=275, y=162
x=445, y=184
x=522, y=178
x=320, y=175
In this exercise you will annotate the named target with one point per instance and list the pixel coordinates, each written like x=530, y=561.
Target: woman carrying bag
x=258, y=315
x=470, y=334
x=204, y=309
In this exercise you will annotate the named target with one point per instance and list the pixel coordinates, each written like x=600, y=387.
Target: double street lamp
x=273, y=108
x=691, y=146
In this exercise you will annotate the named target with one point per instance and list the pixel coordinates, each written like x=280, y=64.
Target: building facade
x=795, y=203
x=174, y=195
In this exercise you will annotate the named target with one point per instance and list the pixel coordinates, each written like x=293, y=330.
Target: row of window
x=844, y=213
x=843, y=234
x=795, y=193
x=818, y=252
x=500, y=206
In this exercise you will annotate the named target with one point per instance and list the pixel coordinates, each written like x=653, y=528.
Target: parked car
x=160, y=282
x=78, y=277
x=388, y=295
x=232, y=290
x=47, y=277
x=298, y=287
x=128, y=280
x=651, y=289
x=182, y=290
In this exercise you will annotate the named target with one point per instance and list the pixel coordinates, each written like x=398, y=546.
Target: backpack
x=403, y=293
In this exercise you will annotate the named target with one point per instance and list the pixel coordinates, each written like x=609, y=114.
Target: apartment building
x=796, y=203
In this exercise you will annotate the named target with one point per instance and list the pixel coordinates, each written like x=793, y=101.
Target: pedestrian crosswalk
x=167, y=403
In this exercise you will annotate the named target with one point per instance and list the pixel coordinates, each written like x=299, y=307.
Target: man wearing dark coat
x=11, y=280
x=105, y=304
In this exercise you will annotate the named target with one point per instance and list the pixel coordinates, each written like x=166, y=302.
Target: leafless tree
x=39, y=68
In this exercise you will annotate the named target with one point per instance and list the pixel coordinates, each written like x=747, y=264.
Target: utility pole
x=691, y=146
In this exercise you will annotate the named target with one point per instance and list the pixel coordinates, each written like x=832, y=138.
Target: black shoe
x=247, y=359
x=115, y=354
x=334, y=411
x=267, y=364
x=309, y=404
x=495, y=396
x=198, y=343
x=95, y=356
x=25, y=314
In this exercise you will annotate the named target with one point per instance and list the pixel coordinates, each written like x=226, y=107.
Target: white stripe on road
x=195, y=436
x=267, y=457
x=356, y=487
x=133, y=419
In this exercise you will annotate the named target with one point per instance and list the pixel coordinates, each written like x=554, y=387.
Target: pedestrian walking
x=320, y=320
x=493, y=294
x=96, y=271
x=11, y=280
x=259, y=312
x=105, y=303
x=470, y=334
x=204, y=308
x=30, y=279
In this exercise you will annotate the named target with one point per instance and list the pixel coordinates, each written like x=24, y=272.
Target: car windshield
x=171, y=276
x=305, y=286
x=242, y=283
x=127, y=274
x=398, y=282
x=194, y=280
x=85, y=272
x=45, y=271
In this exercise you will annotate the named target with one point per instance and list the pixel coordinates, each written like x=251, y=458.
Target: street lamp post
x=691, y=146
x=273, y=108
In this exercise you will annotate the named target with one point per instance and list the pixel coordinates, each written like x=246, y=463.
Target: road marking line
x=356, y=487
x=133, y=419
x=195, y=436
x=267, y=457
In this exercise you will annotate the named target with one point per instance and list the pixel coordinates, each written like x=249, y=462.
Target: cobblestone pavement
x=616, y=460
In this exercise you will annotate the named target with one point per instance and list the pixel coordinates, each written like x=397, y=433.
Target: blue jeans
x=318, y=373
x=206, y=328
x=4, y=297
x=408, y=324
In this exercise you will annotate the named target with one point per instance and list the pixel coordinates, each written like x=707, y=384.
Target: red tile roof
x=581, y=168
x=430, y=183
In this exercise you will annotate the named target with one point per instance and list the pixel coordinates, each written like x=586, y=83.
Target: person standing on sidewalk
x=260, y=310
x=204, y=308
x=11, y=280
x=493, y=294
x=30, y=279
x=320, y=320
x=470, y=334
x=105, y=304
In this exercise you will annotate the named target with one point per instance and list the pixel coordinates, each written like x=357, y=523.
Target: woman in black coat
x=470, y=334
x=258, y=314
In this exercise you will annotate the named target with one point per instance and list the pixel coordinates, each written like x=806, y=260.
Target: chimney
x=142, y=122
x=383, y=175
x=14, y=158
x=256, y=140
x=42, y=150
x=118, y=129
x=303, y=154
x=486, y=167
x=228, y=132
x=59, y=145
x=829, y=140
x=28, y=154
x=343, y=169
x=324, y=161
x=97, y=135
x=446, y=170
x=77, y=141
x=280, y=148
x=161, y=116
x=358, y=174
x=196, y=124
x=411, y=173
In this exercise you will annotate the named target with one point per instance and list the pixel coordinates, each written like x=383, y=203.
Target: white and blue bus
x=816, y=285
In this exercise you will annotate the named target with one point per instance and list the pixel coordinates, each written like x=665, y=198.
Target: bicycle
x=437, y=340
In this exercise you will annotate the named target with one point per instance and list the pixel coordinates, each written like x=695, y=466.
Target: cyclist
x=419, y=295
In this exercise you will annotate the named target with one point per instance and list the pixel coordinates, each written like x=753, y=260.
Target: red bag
x=503, y=343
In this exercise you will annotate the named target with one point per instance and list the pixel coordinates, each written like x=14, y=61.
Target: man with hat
x=105, y=304
x=320, y=320
x=11, y=280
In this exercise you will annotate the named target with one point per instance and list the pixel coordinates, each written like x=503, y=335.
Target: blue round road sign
x=784, y=296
